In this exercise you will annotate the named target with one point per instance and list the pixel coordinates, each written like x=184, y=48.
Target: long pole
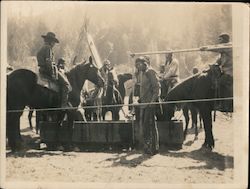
x=212, y=47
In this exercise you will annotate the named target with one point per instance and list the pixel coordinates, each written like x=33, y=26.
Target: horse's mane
x=192, y=76
x=76, y=66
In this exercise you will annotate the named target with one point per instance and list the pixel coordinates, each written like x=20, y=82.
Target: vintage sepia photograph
x=124, y=94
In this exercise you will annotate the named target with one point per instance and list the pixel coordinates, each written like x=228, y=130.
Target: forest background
x=118, y=28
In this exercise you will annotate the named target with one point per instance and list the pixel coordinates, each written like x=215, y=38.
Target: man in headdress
x=46, y=63
x=149, y=93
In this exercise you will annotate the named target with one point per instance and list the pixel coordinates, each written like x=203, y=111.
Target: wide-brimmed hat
x=50, y=36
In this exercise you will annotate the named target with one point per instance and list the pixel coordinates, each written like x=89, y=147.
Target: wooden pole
x=212, y=47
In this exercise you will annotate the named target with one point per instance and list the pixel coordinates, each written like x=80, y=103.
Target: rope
x=121, y=105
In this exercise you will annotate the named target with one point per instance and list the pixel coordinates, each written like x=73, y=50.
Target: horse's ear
x=90, y=60
x=92, y=63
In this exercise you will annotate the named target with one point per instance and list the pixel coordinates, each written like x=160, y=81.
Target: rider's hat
x=50, y=36
x=225, y=37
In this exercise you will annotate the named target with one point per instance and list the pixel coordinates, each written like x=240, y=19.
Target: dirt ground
x=188, y=165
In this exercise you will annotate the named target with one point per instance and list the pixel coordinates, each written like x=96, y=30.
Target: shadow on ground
x=211, y=159
x=133, y=158
x=128, y=159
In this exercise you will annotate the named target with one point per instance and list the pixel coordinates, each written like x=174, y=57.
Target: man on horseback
x=149, y=93
x=170, y=72
x=47, y=67
x=225, y=62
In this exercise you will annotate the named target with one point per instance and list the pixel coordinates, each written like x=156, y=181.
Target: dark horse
x=122, y=78
x=23, y=90
x=186, y=107
x=200, y=86
x=112, y=96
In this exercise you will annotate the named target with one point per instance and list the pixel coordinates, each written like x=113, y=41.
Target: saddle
x=47, y=82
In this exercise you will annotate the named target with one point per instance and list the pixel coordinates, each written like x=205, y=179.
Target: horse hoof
x=206, y=147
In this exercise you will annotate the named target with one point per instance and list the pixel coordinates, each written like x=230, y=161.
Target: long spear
x=208, y=48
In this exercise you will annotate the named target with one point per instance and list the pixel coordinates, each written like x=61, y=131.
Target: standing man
x=46, y=63
x=171, y=76
x=149, y=93
x=225, y=61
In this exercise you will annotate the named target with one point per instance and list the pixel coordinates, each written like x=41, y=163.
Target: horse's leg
x=207, y=121
x=103, y=113
x=200, y=118
x=13, y=131
x=88, y=114
x=194, y=119
x=30, y=118
x=38, y=118
x=115, y=114
x=185, y=113
x=94, y=115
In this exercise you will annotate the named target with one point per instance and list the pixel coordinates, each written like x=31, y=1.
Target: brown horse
x=23, y=90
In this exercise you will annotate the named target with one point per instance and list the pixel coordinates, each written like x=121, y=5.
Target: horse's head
x=124, y=77
x=85, y=71
x=93, y=74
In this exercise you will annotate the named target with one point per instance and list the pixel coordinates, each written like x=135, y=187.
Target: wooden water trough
x=109, y=133
x=105, y=132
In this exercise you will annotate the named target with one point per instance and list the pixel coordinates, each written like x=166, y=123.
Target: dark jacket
x=45, y=59
x=225, y=59
x=150, y=87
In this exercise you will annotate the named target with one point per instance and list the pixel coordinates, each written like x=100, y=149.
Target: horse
x=200, y=86
x=23, y=90
x=186, y=107
x=113, y=96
